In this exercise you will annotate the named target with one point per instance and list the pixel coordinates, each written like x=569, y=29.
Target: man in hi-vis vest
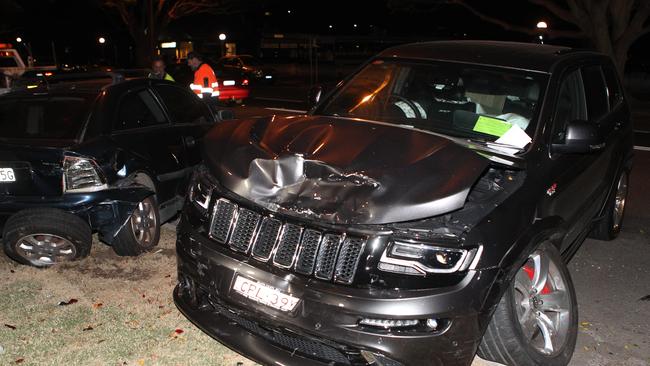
x=205, y=83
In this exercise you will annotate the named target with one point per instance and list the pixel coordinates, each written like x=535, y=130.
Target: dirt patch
x=122, y=313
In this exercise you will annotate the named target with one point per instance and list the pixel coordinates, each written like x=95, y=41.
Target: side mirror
x=581, y=137
x=224, y=115
x=313, y=97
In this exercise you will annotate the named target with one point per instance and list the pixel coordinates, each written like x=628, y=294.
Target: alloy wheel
x=144, y=223
x=543, y=304
x=45, y=249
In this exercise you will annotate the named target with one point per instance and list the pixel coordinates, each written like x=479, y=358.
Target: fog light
x=389, y=323
x=432, y=323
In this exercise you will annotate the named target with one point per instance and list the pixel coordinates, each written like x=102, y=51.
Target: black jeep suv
x=93, y=155
x=422, y=212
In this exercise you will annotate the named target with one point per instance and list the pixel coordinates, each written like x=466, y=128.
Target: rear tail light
x=245, y=82
x=82, y=175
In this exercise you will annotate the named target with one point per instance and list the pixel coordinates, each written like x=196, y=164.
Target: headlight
x=419, y=259
x=199, y=194
x=82, y=175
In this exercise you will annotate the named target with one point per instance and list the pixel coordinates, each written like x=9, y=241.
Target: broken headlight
x=82, y=175
x=199, y=193
x=418, y=259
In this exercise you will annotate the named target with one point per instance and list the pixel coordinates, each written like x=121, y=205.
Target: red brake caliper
x=531, y=273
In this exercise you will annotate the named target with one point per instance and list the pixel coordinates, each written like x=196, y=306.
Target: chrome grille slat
x=308, y=250
x=287, y=245
x=244, y=231
x=266, y=238
x=326, y=258
x=346, y=265
x=223, y=216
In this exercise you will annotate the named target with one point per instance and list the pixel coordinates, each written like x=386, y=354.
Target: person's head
x=158, y=67
x=194, y=60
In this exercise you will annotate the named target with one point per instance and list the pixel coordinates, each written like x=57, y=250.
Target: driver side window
x=570, y=105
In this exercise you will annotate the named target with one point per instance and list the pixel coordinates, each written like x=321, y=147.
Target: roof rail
x=46, y=79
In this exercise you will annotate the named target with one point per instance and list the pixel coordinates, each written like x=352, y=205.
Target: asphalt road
x=612, y=279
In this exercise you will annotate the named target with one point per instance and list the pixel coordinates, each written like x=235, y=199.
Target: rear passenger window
x=183, y=106
x=137, y=110
x=614, y=91
x=596, y=91
x=570, y=105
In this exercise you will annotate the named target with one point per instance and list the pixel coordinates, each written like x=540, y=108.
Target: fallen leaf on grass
x=12, y=327
x=69, y=302
x=141, y=362
x=87, y=328
x=19, y=360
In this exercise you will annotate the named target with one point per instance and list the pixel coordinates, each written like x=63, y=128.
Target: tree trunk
x=144, y=49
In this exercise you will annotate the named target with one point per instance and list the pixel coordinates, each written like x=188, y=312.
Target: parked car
x=422, y=212
x=250, y=67
x=83, y=157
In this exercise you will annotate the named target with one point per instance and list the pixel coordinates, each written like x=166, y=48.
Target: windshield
x=454, y=99
x=53, y=118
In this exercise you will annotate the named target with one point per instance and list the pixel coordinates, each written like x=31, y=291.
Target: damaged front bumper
x=105, y=211
x=324, y=328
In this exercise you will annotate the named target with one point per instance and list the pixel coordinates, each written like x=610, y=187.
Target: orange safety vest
x=205, y=82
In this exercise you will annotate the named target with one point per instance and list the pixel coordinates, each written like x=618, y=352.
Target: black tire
x=504, y=340
x=43, y=223
x=610, y=226
x=128, y=242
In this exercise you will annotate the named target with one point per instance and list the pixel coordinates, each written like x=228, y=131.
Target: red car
x=233, y=89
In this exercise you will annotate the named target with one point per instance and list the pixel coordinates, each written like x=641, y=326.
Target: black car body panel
x=314, y=176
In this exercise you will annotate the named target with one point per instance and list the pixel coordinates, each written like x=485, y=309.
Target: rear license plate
x=269, y=77
x=7, y=175
x=229, y=82
x=264, y=294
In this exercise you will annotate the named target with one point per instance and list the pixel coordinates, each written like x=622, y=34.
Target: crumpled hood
x=341, y=171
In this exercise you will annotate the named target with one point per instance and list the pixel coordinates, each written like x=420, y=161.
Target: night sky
x=74, y=26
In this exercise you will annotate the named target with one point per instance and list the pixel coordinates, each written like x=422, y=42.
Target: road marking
x=642, y=148
x=280, y=100
x=286, y=110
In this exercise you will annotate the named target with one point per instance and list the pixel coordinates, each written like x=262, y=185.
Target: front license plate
x=264, y=294
x=7, y=175
x=229, y=82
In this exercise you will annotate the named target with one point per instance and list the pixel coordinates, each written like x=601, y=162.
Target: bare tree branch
x=554, y=33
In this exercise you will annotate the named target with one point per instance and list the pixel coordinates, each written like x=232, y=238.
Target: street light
x=101, y=40
x=542, y=26
x=18, y=39
x=222, y=38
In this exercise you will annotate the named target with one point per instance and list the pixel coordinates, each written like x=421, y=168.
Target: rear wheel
x=43, y=237
x=610, y=226
x=142, y=232
x=536, y=321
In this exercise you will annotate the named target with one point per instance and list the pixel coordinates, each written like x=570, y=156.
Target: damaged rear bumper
x=324, y=327
x=105, y=211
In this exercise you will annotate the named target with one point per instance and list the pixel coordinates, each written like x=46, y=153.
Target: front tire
x=141, y=232
x=43, y=237
x=536, y=321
